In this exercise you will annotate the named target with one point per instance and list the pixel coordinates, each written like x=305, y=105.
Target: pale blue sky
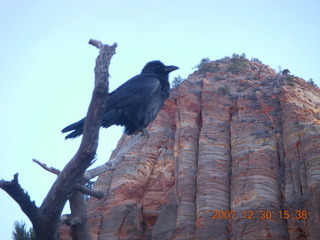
x=46, y=65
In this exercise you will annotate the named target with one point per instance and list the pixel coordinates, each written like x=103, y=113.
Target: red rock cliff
x=233, y=154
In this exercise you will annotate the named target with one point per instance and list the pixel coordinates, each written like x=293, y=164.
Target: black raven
x=136, y=103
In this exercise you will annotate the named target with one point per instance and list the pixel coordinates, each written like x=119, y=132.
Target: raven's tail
x=76, y=127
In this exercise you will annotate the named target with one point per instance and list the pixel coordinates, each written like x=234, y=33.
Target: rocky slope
x=233, y=154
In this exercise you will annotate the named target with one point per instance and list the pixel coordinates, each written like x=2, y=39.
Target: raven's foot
x=145, y=133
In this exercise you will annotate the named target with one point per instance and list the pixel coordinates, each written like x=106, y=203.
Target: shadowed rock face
x=230, y=156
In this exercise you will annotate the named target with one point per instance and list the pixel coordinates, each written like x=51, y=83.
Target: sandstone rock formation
x=233, y=154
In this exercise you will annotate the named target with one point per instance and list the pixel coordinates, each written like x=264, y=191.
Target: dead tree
x=77, y=220
x=45, y=219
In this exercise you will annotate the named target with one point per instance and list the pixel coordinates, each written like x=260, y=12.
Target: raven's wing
x=136, y=90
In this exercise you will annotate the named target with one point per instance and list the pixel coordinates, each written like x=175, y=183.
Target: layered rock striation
x=233, y=154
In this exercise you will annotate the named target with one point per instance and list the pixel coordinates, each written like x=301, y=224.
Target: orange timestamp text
x=261, y=214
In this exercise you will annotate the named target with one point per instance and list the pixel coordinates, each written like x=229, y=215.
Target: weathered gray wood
x=45, y=219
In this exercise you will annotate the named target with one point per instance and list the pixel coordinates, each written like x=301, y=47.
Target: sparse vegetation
x=89, y=185
x=243, y=87
x=20, y=232
x=218, y=78
x=312, y=83
x=224, y=91
x=177, y=81
x=202, y=66
x=239, y=64
x=256, y=60
x=290, y=80
x=205, y=65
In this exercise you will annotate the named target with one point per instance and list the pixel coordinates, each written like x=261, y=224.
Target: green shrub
x=312, y=83
x=256, y=60
x=224, y=91
x=20, y=232
x=205, y=65
x=239, y=64
x=177, y=81
x=290, y=80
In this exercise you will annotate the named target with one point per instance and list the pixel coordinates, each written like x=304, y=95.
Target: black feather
x=136, y=103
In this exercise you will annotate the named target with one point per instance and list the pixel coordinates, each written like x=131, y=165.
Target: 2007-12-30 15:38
x=261, y=214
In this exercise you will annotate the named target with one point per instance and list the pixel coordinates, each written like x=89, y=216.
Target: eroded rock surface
x=232, y=155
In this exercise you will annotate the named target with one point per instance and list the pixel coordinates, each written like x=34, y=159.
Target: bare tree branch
x=45, y=219
x=84, y=190
x=80, y=187
x=114, y=161
x=74, y=170
x=92, y=173
x=96, y=43
x=49, y=169
x=14, y=189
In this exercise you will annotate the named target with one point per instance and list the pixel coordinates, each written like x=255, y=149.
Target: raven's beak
x=170, y=68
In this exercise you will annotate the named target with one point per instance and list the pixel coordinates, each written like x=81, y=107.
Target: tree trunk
x=45, y=219
x=78, y=223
